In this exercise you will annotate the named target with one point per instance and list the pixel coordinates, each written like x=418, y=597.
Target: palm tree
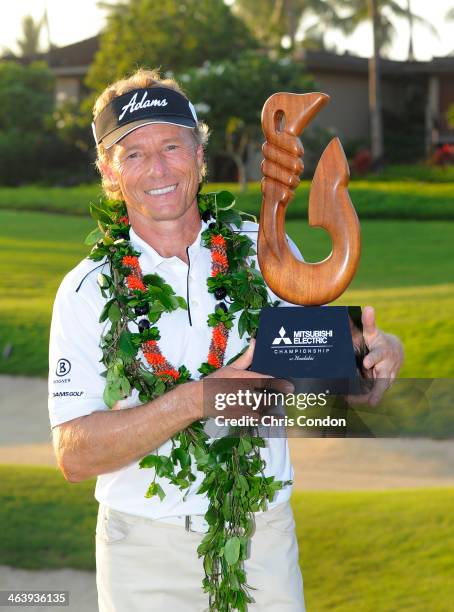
x=375, y=109
x=358, y=11
x=412, y=18
x=379, y=13
x=31, y=30
x=411, y=54
x=271, y=20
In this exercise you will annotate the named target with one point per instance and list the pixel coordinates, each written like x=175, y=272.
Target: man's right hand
x=236, y=377
x=239, y=367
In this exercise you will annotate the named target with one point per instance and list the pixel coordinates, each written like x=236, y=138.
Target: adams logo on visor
x=134, y=106
x=140, y=107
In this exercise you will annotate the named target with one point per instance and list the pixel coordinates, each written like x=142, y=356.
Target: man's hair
x=140, y=79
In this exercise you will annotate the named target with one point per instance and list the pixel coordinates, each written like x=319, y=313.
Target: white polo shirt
x=76, y=385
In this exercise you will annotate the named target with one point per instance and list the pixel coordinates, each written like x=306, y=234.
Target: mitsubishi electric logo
x=305, y=337
x=282, y=337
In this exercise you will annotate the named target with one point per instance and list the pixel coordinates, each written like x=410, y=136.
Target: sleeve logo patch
x=63, y=367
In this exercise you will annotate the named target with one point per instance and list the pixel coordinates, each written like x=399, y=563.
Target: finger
x=369, y=326
x=373, y=397
x=250, y=374
x=267, y=381
x=376, y=355
x=378, y=390
x=245, y=360
x=279, y=384
x=357, y=336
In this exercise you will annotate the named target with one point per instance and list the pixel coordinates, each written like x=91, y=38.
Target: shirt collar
x=151, y=259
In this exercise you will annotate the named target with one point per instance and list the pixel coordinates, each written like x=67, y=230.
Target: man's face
x=157, y=167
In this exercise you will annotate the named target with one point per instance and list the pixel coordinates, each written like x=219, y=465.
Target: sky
x=74, y=20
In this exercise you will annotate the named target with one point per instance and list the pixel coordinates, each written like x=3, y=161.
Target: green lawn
x=406, y=271
x=376, y=198
x=380, y=551
x=36, y=251
x=47, y=523
x=415, y=172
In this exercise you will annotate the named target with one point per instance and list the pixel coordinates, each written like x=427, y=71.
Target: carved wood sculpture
x=284, y=117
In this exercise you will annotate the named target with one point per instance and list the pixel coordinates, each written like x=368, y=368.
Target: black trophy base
x=312, y=346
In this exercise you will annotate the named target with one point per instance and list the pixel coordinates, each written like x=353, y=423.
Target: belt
x=193, y=522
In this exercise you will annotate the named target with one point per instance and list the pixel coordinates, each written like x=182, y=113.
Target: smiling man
x=158, y=169
x=150, y=155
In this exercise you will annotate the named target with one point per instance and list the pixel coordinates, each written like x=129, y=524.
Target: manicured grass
x=373, y=199
x=377, y=551
x=47, y=523
x=422, y=317
x=364, y=551
x=64, y=200
x=424, y=173
x=36, y=252
x=405, y=272
x=394, y=253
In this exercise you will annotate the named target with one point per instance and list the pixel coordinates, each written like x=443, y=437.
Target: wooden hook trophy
x=311, y=342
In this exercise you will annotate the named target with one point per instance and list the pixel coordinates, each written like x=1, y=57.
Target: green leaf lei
x=234, y=480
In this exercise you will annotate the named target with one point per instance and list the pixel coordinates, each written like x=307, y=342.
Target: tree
x=26, y=101
x=411, y=52
x=167, y=34
x=272, y=20
x=379, y=13
x=26, y=96
x=358, y=11
x=31, y=31
x=232, y=95
x=375, y=107
x=450, y=17
x=30, y=147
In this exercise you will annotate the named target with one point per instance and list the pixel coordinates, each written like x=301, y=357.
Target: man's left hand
x=384, y=359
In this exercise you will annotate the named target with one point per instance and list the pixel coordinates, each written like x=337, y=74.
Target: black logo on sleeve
x=68, y=393
x=63, y=367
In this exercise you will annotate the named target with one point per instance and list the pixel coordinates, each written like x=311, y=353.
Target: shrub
x=31, y=148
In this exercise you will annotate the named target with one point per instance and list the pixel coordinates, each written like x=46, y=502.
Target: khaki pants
x=145, y=565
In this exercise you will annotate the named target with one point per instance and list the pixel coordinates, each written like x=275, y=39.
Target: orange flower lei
x=150, y=349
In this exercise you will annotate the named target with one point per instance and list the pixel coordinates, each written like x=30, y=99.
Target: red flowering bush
x=443, y=155
x=362, y=161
